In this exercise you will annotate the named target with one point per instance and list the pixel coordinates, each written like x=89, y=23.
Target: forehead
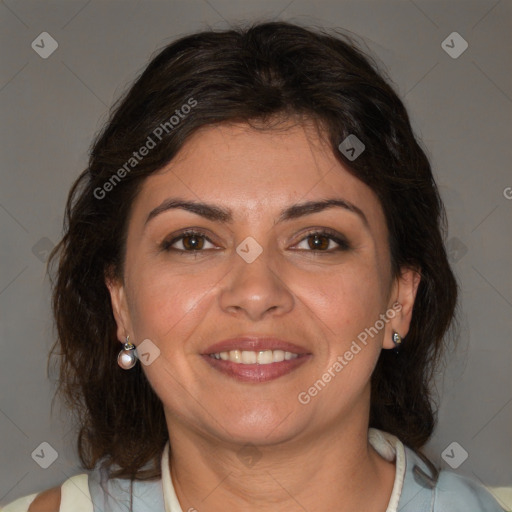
x=253, y=172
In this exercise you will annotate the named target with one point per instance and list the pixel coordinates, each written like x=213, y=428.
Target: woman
x=252, y=292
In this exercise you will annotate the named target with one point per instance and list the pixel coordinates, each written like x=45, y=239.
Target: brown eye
x=188, y=242
x=318, y=242
x=192, y=242
x=324, y=241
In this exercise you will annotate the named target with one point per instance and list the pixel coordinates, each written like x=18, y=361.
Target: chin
x=259, y=426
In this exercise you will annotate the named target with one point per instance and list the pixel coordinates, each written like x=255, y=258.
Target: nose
x=256, y=290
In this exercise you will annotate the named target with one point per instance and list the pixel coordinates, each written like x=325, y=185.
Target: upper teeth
x=255, y=357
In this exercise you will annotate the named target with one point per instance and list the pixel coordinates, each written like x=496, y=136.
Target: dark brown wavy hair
x=246, y=74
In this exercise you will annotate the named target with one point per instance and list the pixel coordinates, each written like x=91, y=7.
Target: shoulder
x=72, y=496
x=46, y=501
x=455, y=492
x=425, y=488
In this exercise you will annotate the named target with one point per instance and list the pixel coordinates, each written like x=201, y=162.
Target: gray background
x=51, y=108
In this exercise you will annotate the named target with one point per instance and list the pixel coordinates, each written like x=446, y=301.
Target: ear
x=119, y=303
x=403, y=295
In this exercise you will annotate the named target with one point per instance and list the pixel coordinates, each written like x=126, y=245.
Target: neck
x=338, y=470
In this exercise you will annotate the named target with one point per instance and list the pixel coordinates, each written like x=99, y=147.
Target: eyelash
x=330, y=234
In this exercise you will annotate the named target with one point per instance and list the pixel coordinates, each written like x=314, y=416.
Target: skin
x=312, y=457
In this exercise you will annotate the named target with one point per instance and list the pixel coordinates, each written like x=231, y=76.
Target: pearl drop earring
x=127, y=358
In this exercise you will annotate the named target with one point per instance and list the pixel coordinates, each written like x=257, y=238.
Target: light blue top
x=418, y=487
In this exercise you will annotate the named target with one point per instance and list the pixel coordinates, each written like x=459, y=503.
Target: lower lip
x=256, y=372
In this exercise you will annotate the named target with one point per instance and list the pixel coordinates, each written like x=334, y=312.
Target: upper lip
x=255, y=343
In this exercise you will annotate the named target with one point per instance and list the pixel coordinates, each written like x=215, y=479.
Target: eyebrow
x=219, y=214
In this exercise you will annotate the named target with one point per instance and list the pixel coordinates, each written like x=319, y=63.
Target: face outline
x=185, y=302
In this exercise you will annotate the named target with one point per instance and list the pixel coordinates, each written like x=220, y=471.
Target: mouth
x=255, y=359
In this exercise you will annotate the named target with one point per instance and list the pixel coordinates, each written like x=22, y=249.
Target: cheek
x=165, y=304
x=347, y=299
x=346, y=302
x=170, y=309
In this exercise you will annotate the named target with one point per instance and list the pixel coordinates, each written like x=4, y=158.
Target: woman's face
x=252, y=270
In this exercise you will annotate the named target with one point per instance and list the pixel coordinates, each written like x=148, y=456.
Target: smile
x=255, y=357
x=258, y=359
